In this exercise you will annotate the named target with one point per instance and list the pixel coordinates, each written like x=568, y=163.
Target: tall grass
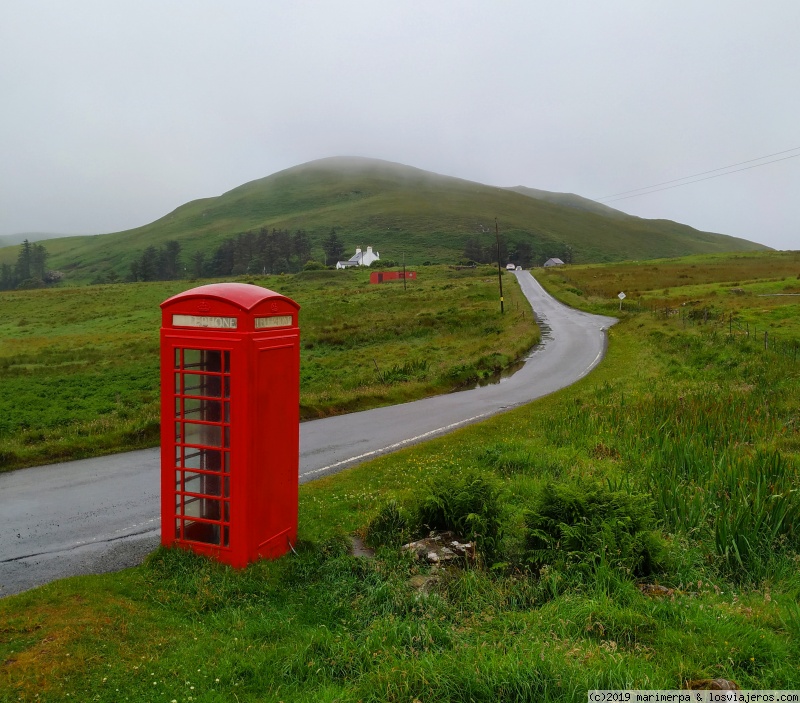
x=707, y=442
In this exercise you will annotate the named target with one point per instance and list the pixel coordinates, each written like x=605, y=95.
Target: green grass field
x=640, y=529
x=79, y=366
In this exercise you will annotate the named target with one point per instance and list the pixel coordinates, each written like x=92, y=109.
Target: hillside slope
x=397, y=209
x=571, y=200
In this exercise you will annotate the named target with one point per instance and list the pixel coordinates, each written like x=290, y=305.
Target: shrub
x=314, y=266
x=470, y=507
x=588, y=525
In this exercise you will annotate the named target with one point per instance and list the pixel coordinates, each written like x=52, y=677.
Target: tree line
x=30, y=269
x=522, y=253
x=263, y=252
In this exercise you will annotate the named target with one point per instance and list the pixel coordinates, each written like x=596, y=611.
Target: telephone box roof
x=244, y=295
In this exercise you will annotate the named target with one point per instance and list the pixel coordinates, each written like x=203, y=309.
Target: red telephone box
x=230, y=422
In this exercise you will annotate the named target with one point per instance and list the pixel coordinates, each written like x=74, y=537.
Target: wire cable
x=707, y=178
x=703, y=173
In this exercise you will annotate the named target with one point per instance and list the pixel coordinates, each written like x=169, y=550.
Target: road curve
x=101, y=514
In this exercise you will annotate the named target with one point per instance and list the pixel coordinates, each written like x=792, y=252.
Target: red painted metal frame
x=230, y=422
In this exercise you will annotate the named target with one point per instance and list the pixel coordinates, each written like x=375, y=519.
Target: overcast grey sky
x=115, y=113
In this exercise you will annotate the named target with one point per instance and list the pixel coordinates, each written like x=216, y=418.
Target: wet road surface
x=102, y=514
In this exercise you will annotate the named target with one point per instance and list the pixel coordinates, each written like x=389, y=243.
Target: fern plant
x=588, y=525
x=470, y=507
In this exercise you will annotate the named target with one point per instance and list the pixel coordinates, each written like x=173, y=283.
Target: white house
x=359, y=259
x=554, y=262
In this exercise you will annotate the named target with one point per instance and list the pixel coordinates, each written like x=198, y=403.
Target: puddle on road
x=509, y=371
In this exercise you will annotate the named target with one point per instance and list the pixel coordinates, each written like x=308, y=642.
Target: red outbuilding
x=381, y=276
x=230, y=379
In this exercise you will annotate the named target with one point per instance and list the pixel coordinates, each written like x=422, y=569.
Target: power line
x=714, y=170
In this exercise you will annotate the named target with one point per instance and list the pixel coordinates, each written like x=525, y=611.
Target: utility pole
x=499, y=272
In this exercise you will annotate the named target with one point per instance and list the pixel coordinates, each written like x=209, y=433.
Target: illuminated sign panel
x=275, y=321
x=218, y=323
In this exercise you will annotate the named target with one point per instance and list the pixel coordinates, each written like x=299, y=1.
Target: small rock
x=656, y=591
x=466, y=549
x=438, y=548
x=712, y=685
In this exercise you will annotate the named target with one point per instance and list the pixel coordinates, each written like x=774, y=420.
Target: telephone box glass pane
x=211, y=509
x=177, y=431
x=205, y=459
x=191, y=505
x=201, y=532
x=177, y=358
x=191, y=458
x=210, y=435
x=207, y=484
x=202, y=409
x=212, y=387
x=177, y=383
x=202, y=360
x=197, y=384
x=225, y=536
x=227, y=356
x=212, y=361
x=192, y=358
x=203, y=508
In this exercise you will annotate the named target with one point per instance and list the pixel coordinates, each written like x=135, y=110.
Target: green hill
x=395, y=209
x=573, y=201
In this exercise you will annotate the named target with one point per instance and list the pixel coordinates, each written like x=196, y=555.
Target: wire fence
x=730, y=325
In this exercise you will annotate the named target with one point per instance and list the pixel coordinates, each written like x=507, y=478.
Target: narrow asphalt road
x=99, y=515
